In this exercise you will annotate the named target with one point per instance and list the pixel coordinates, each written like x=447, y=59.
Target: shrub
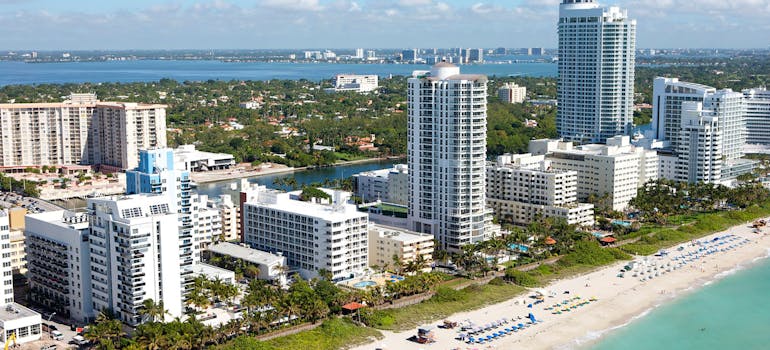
x=446, y=294
x=521, y=278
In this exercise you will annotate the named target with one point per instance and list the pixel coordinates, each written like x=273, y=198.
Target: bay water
x=13, y=73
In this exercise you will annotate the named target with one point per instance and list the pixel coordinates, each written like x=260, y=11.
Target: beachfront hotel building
x=447, y=146
x=668, y=94
x=615, y=169
x=757, y=115
x=355, y=83
x=522, y=188
x=14, y=318
x=704, y=105
x=60, y=263
x=80, y=130
x=386, y=185
x=386, y=242
x=595, y=87
x=313, y=235
x=699, y=148
x=137, y=253
x=512, y=93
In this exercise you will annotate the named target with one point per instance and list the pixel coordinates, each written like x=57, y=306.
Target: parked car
x=56, y=335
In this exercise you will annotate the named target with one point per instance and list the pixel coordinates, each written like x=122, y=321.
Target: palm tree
x=251, y=271
x=150, y=336
x=151, y=311
x=105, y=331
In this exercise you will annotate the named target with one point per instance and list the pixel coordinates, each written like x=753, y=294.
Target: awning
x=608, y=240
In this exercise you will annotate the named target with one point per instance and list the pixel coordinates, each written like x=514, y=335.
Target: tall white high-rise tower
x=447, y=153
x=596, y=71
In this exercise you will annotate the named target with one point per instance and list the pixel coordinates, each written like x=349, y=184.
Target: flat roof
x=399, y=234
x=210, y=270
x=246, y=253
x=14, y=311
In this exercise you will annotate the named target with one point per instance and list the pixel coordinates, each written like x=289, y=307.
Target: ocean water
x=12, y=73
x=731, y=313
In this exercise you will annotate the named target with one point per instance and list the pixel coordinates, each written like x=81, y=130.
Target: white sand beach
x=619, y=300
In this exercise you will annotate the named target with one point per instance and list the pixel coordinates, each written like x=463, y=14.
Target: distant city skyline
x=286, y=24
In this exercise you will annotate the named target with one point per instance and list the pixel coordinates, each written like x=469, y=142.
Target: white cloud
x=293, y=5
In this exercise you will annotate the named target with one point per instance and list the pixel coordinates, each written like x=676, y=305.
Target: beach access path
x=619, y=300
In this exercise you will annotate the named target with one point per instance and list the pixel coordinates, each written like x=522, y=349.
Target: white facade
x=59, y=266
x=730, y=109
x=700, y=145
x=522, y=188
x=616, y=169
x=668, y=94
x=595, y=87
x=188, y=158
x=355, y=83
x=512, y=93
x=230, y=216
x=14, y=318
x=207, y=225
x=311, y=235
x=447, y=130
x=757, y=115
x=136, y=254
x=386, y=185
x=386, y=242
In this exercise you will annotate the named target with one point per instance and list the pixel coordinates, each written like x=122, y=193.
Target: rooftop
x=246, y=254
x=14, y=311
x=63, y=218
x=399, y=234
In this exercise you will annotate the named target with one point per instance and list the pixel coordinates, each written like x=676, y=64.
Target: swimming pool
x=364, y=284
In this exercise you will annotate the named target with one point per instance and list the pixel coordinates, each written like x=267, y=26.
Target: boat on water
x=234, y=186
x=193, y=184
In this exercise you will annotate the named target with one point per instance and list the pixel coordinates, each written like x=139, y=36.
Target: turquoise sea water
x=731, y=313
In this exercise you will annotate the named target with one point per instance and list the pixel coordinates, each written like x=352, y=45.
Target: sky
x=279, y=24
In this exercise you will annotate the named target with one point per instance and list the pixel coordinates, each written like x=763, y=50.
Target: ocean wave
x=593, y=336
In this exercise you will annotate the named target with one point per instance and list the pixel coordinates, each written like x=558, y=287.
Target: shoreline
x=620, y=302
x=218, y=175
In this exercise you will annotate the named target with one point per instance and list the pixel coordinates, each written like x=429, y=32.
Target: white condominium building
x=355, y=83
x=616, y=169
x=387, y=185
x=386, y=242
x=80, y=130
x=668, y=94
x=136, y=254
x=595, y=86
x=512, y=93
x=230, y=215
x=522, y=188
x=757, y=115
x=699, y=147
x=15, y=320
x=60, y=263
x=447, y=146
x=312, y=235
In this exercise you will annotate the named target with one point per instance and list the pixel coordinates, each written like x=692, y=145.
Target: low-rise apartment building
x=385, y=243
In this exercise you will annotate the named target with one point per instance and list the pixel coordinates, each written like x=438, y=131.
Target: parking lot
x=33, y=205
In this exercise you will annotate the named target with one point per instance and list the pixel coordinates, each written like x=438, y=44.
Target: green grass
x=445, y=303
x=695, y=226
x=393, y=208
x=347, y=157
x=333, y=334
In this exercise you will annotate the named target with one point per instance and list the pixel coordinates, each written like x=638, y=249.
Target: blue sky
x=262, y=24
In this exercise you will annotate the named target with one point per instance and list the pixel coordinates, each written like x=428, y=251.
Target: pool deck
x=378, y=279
